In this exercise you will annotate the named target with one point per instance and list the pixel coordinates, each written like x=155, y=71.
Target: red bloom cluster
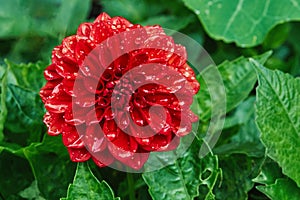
x=117, y=91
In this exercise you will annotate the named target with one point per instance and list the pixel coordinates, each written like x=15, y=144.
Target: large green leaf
x=244, y=22
x=275, y=184
x=149, y=12
x=294, y=40
x=12, y=148
x=28, y=76
x=278, y=118
x=242, y=114
x=20, y=87
x=51, y=166
x=70, y=15
x=238, y=171
x=3, y=107
x=49, y=162
x=282, y=189
x=26, y=109
x=15, y=175
x=34, y=17
x=238, y=77
x=277, y=36
x=270, y=171
x=182, y=179
x=246, y=140
x=32, y=192
x=86, y=186
x=133, y=10
x=169, y=21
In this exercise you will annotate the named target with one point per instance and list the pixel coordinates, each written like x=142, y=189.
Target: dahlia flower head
x=117, y=91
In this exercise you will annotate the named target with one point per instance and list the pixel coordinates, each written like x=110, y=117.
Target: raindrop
x=111, y=136
x=169, y=43
x=138, y=40
x=64, y=50
x=146, y=141
x=86, y=68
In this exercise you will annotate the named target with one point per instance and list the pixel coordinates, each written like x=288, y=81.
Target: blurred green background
x=29, y=29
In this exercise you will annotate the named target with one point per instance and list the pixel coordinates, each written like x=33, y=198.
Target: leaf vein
x=279, y=99
x=233, y=16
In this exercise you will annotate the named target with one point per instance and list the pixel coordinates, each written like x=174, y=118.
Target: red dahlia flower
x=118, y=91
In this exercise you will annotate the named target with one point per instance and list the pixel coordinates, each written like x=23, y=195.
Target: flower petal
x=79, y=155
x=54, y=122
x=50, y=73
x=103, y=158
x=71, y=138
x=58, y=101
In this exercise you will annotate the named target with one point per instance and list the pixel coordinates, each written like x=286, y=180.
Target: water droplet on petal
x=111, y=136
x=138, y=40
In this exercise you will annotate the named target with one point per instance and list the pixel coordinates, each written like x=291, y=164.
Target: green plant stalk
x=131, y=187
x=3, y=113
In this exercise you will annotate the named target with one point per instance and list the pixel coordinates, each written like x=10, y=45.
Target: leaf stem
x=1, y=197
x=3, y=113
x=131, y=189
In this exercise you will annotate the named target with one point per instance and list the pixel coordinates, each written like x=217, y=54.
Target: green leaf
x=34, y=17
x=32, y=192
x=294, y=41
x=20, y=97
x=242, y=114
x=275, y=184
x=294, y=36
x=237, y=21
x=49, y=163
x=246, y=140
x=270, y=171
x=169, y=21
x=295, y=62
x=278, y=118
x=277, y=36
x=238, y=78
x=182, y=179
x=70, y=15
x=28, y=76
x=133, y=10
x=15, y=175
x=86, y=186
x=238, y=171
x=3, y=111
x=31, y=49
x=51, y=166
x=12, y=148
x=282, y=189
x=149, y=12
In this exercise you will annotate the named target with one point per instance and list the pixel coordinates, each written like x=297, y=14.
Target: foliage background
x=257, y=155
